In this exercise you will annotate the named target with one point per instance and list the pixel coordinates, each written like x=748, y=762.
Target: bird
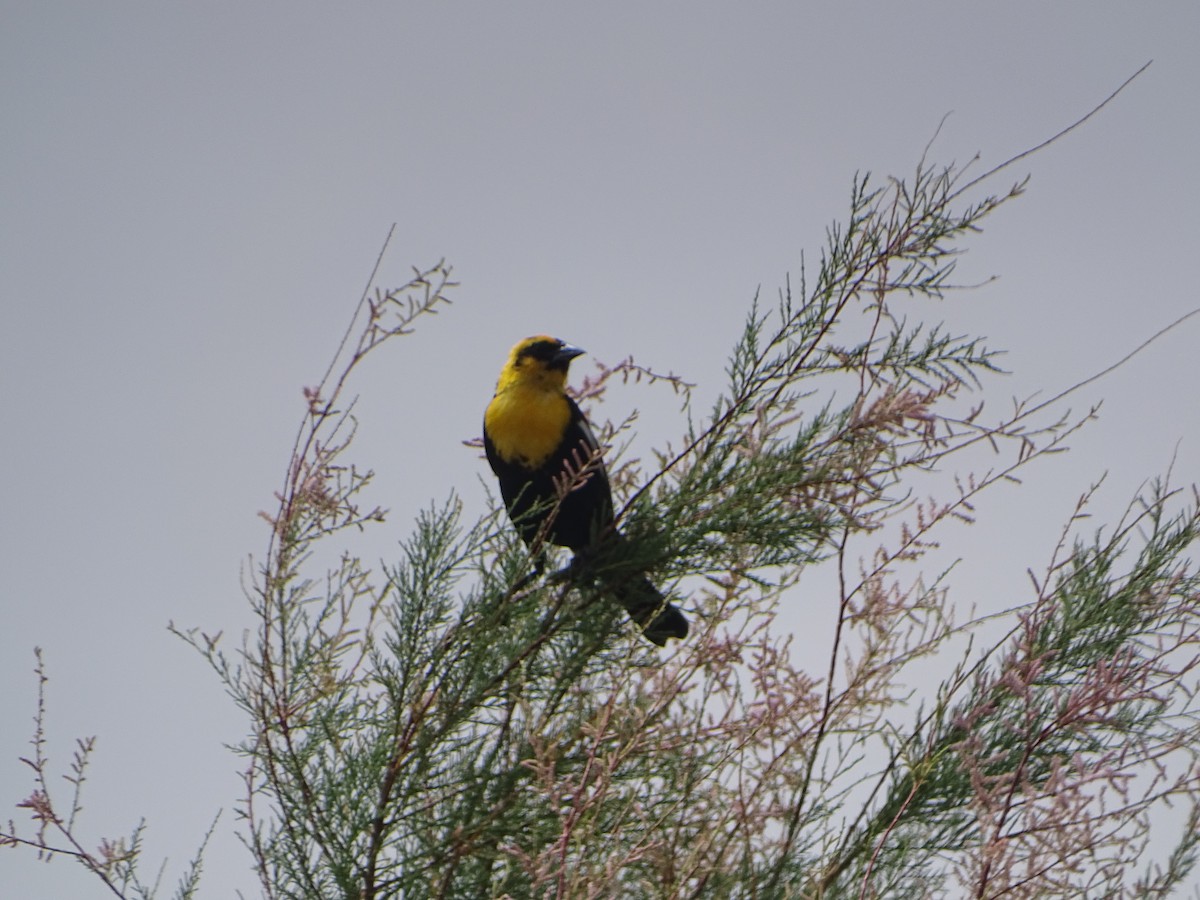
x=535, y=435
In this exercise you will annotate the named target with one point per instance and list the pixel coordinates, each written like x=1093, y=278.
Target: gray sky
x=192, y=196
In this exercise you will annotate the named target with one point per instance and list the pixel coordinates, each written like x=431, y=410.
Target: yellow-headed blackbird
x=534, y=434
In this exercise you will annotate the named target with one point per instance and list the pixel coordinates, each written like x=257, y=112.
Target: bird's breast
x=527, y=426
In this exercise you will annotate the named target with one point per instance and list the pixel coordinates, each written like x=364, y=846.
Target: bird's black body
x=529, y=494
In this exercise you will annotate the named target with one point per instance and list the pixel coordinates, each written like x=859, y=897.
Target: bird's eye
x=544, y=350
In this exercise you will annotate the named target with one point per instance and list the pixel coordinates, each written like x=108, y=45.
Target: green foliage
x=452, y=726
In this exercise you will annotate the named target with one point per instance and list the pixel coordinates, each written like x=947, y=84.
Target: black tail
x=658, y=619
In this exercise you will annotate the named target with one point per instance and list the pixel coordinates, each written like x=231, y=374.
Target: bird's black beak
x=565, y=354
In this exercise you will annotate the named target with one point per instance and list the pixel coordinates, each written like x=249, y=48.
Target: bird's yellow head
x=530, y=413
x=538, y=362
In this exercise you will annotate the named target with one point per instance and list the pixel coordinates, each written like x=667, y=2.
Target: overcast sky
x=192, y=196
